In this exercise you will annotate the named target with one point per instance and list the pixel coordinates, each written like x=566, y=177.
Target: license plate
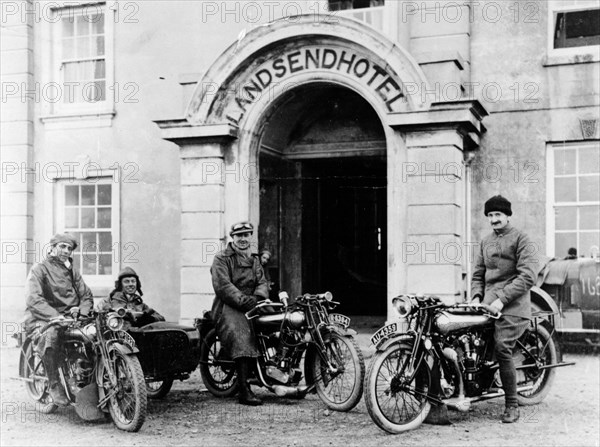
x=340, y=319
x=384, y=332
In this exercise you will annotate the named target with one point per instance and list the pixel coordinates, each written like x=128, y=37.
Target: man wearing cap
x=239, y=283
x=505, y=270
x=54, y=288
x=127, y=294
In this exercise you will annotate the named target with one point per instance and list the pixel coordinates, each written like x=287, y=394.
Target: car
x=574, y=286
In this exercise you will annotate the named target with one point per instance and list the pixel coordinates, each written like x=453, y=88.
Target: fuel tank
x=447, y=322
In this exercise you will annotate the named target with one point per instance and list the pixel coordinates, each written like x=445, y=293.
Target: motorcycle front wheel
x=129, y=402
x=218, y=375
x=158, y=389
x=33, y=370
x=395, y=394
x=535, y=348
x=340, y=389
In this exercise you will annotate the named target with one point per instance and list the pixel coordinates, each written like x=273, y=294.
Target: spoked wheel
x=128, y=403
x=339, y=387
x=536, y=348
x=159, y=388
x=218, y=375
x=32, y=369
x=396, y=394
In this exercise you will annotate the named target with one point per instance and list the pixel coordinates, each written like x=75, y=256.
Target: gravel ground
x=189, y=415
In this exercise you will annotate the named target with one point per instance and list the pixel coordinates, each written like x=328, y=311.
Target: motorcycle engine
x=471, y=353
x=79, y=366
x=281, y=350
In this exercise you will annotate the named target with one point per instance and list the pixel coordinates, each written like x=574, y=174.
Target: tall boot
x=246, y=396
x=57, y=393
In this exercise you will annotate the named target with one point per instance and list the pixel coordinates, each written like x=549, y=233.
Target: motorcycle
x=444, y=354
x=286, y=334
x=99, y=369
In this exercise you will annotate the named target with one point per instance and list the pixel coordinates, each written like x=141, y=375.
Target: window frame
x=550, y=196
x=55, y=107
x=554, y=8
x=94, y=177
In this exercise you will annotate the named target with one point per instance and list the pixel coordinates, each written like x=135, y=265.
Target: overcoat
x=235, y=278
x=52, y=289
x=505, y=269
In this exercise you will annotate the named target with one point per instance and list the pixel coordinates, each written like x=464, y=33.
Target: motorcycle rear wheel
x=220, y=379
x=535, y=347
x=396, y=398
x=129, y=404
x=341, y=391
x=158, y=389
x=37, y=380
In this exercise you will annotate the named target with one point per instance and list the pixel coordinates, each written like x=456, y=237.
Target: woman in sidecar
x=168, y=351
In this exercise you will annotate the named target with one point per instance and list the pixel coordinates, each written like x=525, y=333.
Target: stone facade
x=459, y=100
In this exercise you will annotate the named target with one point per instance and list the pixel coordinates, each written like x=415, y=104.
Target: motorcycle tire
x=220, y=379
x=535, y=348
x=158, y=389
x=343, y=391
x=32, y=369
x=394, y=403
x=129, y=404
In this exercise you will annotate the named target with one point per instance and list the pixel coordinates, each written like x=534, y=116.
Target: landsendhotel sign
x=280, y=69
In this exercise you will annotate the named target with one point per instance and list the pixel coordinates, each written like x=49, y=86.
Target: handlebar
x=485, y=308
x=56, y=321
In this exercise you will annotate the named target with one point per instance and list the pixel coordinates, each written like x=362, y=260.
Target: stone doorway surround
x=219, y=140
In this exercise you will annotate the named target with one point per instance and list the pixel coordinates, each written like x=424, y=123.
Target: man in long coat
x=505, y=270
x=239, y=283
x=53, y=289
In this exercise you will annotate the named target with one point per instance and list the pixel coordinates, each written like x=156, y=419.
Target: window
x=577, y=28
x=575, y=192
x=78, y=62
x=82, y=55
x=367, y=11
x=89, y=210
x=573, y=32
x=340, y=5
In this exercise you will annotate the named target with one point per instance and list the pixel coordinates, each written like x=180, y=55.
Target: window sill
x=78, y=120
x=571, y=59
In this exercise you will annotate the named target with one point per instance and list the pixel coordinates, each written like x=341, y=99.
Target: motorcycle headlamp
x=328, y=296
x=114, y=322
x=90, y=331
x=402, y=305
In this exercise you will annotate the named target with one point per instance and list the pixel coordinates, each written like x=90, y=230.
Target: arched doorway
x=328, y=110
x=323, y=177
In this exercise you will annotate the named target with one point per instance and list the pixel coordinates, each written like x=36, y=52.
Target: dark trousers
x=507, y=331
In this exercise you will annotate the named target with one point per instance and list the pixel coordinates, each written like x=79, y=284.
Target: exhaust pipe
x=290, y=391
x=461, y=402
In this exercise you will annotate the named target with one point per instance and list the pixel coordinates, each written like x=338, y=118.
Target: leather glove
x=248, y=302
x=498, y=305
x=476, y=299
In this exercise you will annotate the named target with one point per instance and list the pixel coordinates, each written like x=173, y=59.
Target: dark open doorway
x=323, y=199
x=344, y=232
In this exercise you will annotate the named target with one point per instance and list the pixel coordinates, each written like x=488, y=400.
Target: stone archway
x=221, y=137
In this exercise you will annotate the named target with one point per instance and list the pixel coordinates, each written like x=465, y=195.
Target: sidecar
x=168, y=352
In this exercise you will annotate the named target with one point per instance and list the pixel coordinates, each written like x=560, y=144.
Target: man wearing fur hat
x=128, y=294
x=54, y=288
x=505, y=270
x=239, y=283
